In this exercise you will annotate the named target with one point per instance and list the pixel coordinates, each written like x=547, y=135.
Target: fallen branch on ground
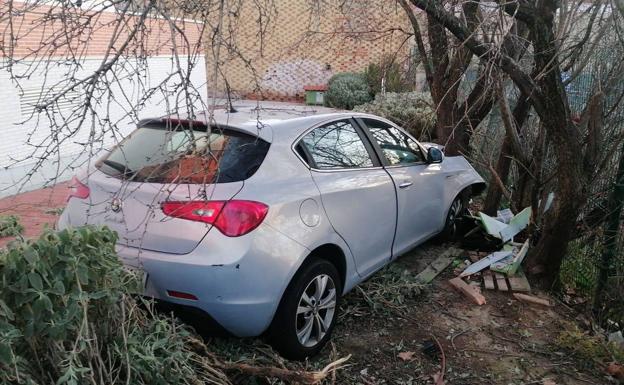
x=298, y=376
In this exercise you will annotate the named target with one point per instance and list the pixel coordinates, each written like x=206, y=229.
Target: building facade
x=74, y=81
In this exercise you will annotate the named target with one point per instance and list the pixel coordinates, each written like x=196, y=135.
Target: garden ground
x=385, y=322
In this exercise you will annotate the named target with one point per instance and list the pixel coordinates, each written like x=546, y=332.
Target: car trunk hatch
x=167, y=160
x=133, y=210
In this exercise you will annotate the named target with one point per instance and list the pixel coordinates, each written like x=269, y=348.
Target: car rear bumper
x=238, y=281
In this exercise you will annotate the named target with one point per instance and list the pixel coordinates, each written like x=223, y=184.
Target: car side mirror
x=434, y=155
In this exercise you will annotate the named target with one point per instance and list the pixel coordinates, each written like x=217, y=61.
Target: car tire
x=306, y=318
x=456, y=211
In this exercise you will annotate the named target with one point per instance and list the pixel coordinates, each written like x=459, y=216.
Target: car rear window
x=185, y=152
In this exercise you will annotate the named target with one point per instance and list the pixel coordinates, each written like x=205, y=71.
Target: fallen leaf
x=406, y=356
x=438, y=379
x=548, y=381
x=616, y=370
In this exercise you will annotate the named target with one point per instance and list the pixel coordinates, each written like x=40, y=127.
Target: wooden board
x=519, y=282
x=501, y=282
x=532, y=299
x=488, y=280
x=436, y=267
x=470, y=292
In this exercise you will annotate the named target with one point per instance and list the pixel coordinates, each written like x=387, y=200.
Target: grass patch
x=579, y=269
x=588, y=347
x=388, y=290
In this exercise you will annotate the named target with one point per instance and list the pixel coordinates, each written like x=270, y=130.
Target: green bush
x=411, y=110
x=10, y=226
x=391, y=70
x=68, y=316
x=346, y=90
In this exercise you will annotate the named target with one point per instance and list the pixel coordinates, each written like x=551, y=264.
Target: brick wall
x=45, y=31
x=303, y=48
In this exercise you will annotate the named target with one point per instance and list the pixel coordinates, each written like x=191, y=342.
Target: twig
x=298, y=376
x=457, y=335
x=439, y=377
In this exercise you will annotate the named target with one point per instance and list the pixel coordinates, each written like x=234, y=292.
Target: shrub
x=411, y=110
x=394, y=79
x=346, y=90
x=10, y=226
x=67, y=316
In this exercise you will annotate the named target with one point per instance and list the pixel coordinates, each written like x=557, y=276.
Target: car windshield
x=187, y=153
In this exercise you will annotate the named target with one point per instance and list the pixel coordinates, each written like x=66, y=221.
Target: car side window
x=396, y=146
x=337, y=145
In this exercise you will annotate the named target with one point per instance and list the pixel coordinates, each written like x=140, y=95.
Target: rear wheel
x=308, y=311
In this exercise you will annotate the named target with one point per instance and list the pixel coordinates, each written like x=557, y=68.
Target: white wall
x=17, y=130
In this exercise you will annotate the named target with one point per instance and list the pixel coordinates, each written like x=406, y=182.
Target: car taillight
x=233, y=218
x=77, y=189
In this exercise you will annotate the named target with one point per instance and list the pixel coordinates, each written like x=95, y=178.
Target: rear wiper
x=118, y=167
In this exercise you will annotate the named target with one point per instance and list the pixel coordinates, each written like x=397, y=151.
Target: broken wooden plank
x=501, y=282
x=485, y=262
x=519, y=284
x=488, y=280
x=532, y=299
x=468, y=291
x=436, y=267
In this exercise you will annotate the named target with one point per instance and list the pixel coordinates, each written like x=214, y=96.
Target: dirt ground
x=502, y=342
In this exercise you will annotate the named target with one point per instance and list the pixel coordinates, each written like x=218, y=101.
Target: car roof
x=271, y=121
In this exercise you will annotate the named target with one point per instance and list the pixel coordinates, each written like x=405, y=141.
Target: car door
x=419, y=185
x=357, y=193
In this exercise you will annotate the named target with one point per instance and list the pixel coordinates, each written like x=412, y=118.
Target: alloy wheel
x=454, y=213
x=316, y=310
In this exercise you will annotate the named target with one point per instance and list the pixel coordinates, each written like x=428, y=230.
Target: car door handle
x=405, y=184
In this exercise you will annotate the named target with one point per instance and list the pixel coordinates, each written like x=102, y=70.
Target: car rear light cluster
x=233, y=218
x=77, y=189
x=181, y=295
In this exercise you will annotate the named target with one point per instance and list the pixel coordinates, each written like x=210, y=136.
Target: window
x=159, y=153
x=337, y=145
x=397, y=147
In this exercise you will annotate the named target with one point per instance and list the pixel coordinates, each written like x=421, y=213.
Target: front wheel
x=451, y=231
x=307, y=313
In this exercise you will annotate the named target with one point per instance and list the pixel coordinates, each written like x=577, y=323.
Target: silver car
x=264, y=218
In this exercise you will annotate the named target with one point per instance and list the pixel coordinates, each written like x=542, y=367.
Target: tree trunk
x=503, y=165
x=459, y=138
x=495, y=193
x=555, y=116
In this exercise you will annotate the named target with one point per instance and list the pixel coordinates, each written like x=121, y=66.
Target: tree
x=545, y=89
x=446, y=62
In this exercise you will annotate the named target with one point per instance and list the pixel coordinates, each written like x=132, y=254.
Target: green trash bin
x=314, y=94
